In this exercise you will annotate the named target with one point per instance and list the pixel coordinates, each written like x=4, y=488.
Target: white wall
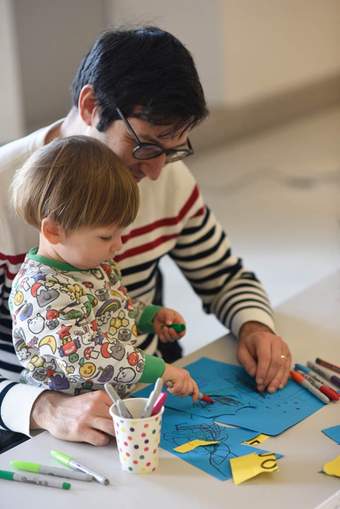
x=247, y=49
x=11, y=124
x=273, y=45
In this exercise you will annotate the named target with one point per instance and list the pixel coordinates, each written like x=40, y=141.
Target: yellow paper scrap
x=332, y=467
x=189, y=446
x=246, y=467
x=258, y=439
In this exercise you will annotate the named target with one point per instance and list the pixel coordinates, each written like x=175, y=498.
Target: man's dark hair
x=146, y=67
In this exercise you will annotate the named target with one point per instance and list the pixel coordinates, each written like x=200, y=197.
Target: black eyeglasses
x=145, y=151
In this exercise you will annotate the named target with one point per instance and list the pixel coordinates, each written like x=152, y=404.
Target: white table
x=311, y=323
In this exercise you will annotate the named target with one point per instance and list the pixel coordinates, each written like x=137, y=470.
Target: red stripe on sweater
x=166, y=221
x=143, y=248
x=13, y=259
x=9, y=275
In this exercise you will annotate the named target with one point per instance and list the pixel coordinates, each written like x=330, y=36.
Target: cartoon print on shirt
x=36, y=324
x=115, y=350
x=125, y=375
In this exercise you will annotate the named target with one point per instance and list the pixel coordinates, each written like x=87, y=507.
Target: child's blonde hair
x=76, y=181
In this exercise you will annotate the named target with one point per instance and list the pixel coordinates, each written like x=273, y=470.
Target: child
x=74, y=326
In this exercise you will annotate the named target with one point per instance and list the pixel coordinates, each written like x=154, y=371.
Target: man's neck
x=71, y=125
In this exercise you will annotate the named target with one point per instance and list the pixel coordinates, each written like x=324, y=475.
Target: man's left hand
x=264, y=355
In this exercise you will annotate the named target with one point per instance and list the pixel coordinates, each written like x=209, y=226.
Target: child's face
x=87, y=247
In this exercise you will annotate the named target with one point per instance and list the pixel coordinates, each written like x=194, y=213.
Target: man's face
x=122, y=143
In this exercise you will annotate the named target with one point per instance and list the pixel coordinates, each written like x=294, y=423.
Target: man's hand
x=83, y=418
x=264, y=355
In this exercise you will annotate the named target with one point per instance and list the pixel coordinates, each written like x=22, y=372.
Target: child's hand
x=161, y=322
x=180, y=382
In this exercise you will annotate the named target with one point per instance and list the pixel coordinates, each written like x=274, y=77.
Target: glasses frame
x=186, y=152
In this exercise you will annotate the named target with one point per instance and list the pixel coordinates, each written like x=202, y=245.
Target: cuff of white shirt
x=251, y=315
x=17, y=406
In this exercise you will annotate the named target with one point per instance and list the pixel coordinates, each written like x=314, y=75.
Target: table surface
x=310, y=322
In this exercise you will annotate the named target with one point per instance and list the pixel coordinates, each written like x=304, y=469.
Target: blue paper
x=237, y=402
x=333, y=433
x=179, y=428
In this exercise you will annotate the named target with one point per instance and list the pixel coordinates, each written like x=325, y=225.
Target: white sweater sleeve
x=16, y=396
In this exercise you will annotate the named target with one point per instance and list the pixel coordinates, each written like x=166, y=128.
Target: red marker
x=330, y=393
x=206, y=398
x=300, y=379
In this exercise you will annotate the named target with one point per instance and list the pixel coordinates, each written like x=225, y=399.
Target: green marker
x=49, y=470
x=34, y=479
x=178, y=327
x=72, y=463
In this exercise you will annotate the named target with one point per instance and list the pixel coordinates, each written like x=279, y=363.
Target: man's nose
x=152, y=167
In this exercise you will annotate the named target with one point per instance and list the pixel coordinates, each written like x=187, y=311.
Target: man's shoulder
x=15, y=153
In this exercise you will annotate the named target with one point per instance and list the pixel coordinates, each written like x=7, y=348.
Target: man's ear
x=87, y=106
x=52, y=231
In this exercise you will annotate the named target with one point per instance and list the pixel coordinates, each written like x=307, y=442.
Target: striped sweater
x=173, y=220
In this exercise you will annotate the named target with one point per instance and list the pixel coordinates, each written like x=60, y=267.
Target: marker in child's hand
x=205, y=398
x=201, y=396
x=178, y=327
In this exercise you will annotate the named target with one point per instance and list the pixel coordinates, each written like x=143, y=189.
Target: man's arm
x=234, y=294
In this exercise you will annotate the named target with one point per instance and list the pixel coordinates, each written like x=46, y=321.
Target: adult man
x=138, y=91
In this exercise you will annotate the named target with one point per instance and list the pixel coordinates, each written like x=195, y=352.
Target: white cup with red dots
x=137, y=438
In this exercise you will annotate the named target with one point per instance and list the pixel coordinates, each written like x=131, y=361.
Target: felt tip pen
x=159, y=403
x=72, y=463
x=120, y=405
x=205, y=398
x=325, y=389
x=48, y=470
x=152, y=398
x=324, y=373
x=317, y=382
x=178, y=327
x=300, y=379
x=34, y=479
x=325, y=364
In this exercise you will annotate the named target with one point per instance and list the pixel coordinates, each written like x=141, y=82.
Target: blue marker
x=301, y=367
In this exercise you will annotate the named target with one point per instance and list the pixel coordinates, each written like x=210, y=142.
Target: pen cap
x=61, y=457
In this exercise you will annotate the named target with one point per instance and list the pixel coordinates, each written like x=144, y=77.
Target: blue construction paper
x=179, y=428
x=333, y=433
x=238, y=403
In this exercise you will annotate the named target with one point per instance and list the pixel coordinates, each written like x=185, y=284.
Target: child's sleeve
x=66, y=341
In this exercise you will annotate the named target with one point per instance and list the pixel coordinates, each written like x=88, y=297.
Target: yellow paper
x=246, y=467
x=189, y=446
x=332, y=467
x=258, y=439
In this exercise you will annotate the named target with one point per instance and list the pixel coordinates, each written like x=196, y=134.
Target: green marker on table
x=34, y=479
x=75, y=465
x=178, y=327
x=50, y=470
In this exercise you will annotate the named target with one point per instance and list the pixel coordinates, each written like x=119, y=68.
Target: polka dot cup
x=137, y=439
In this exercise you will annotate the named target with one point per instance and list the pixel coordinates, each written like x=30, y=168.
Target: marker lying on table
x=328, y=365
x=324, y=373
x=318, y=383
x=34, y=479
x=300, y=379
x=48, y=470
x=70, y=462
